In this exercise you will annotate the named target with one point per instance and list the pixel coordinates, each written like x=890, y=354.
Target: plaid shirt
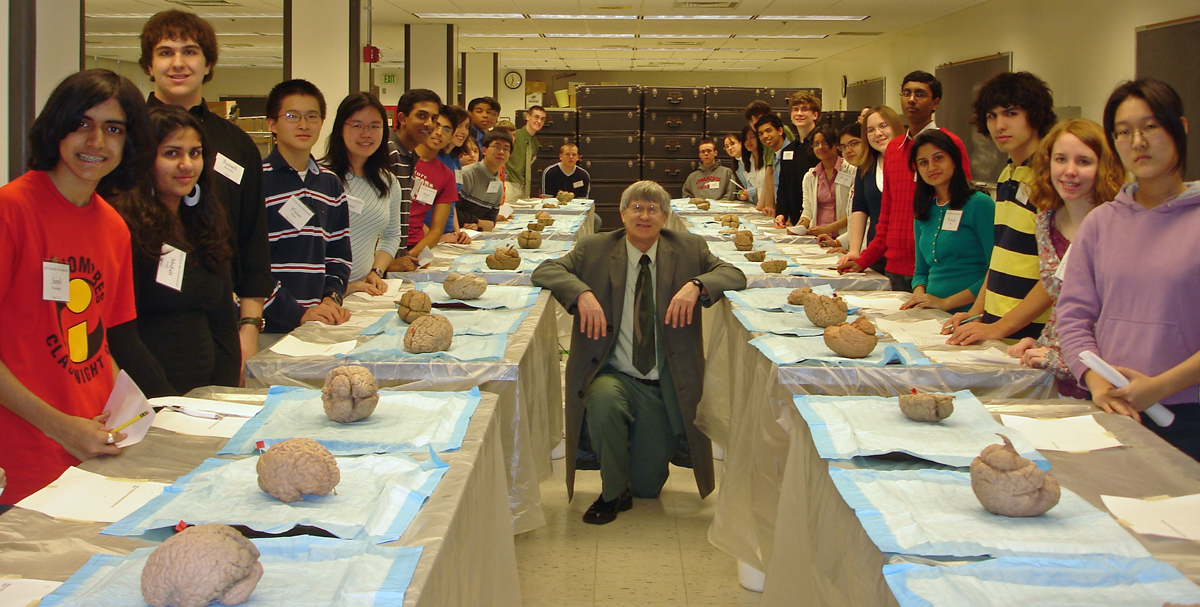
x=894, y=234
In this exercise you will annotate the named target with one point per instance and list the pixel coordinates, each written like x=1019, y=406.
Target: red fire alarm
x=370, y=54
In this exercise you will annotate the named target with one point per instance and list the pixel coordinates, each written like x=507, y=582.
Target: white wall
x=479, y=70
x=511, y=101
x=57, y=54
x=428, y=69
x=326, y=65
x=1081, y=49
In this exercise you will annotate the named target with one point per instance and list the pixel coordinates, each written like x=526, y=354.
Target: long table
x=465, y=528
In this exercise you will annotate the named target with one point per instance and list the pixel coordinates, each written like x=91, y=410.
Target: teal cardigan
x=948, y=262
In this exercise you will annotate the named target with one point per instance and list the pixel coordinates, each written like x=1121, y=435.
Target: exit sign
x=389, y=79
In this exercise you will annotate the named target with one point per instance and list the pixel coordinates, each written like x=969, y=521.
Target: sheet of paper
x=204, y=404
x=84, y=496
x=1081, y=433
x=390, y=294
x=990, y=356
x=182, y=423
x=1172, y=517
x=291, y=346
x=24, y=592
x=823, y=272
x=367, y=318
x=473, y=234
x=125, y=403
x=884, y=302
x=922, y=333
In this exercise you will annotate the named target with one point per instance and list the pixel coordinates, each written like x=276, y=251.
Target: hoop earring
x=193, y=199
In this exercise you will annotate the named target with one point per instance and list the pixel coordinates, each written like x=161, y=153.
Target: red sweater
x=894, y=234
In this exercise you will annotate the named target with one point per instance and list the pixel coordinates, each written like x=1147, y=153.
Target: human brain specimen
x=565, y=197
x=703, y=206
x=536, y=226
x=464, y=286
x=756, y=255
x=529, y=239
x=697, y=201
x=546, y=221
x=413, y=305
x=796, y=297
x=729, y=220
x=926, y=407
x=551, y=205
x=431, y=333
x=1010, y=485
x=852, y=340
x=775, y=266
x=506, y=258
x=743, y=240
x=297, y=467
x=199, y=565
x=824, y=311
x=542, y=215
x=349, y=394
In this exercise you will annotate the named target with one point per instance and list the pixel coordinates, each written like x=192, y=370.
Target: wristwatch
x=257, y=322
x=336, y=296
x=378, y=272
x=699, y=285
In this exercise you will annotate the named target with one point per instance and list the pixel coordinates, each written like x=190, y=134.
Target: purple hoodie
x=1131, y=293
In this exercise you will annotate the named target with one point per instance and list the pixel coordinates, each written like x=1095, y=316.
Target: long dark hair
x=457, y=117
x=960, y=188
x=61, y=115
x=748, y=132
x=203, y=228
x=337, y=157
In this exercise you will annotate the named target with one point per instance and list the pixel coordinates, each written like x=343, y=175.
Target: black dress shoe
x=603, y=513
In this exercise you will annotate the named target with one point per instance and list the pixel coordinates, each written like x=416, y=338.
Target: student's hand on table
x=326, y=312
x=591, y=316
x=847, y=257
x=1102, y=396
x=1028, y=352
x=461, y=237
x=819, y=231
x=403, y=263
x=85, y=438
x=679, y=311
x=780, y=222
x=366, y=286
x=743, y=195
x=769, y=211
x=1142, y=391
x=849, y=266
x=450, y=237
x=471, y=226
x=923, y=300
x=973, y=333
x=248, y=338
x=822, y=237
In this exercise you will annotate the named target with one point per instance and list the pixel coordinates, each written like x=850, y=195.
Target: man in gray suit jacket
x=636, y=368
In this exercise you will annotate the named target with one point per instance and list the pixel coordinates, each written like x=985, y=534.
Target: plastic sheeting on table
x=770, y=298
x=466, y=322
x=297, y=571
x=788, y=350
x=494, y=297
x=376, y=499
x=530, y=260
x=789, y=323
x=851, y=426
x=463, y=348
x=935, y=513
x=402, y=421
x=1008, y=581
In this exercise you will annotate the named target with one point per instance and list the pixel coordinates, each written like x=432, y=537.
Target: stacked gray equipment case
x=560, y=128
x=610, y=131
x=673, y=124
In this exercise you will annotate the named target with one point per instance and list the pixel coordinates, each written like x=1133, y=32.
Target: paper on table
x=234, y=416
x=820, y=271
x=292, y=346
x=393, y=286
x=505, y=210
x=366, y=318
x=125, y=403
x=922, y=333
x=990, y=356
x=1172, y=517
x=886, y=302
x=84, y=496
x=472, y=234
x=24, y=592
x=1081, y=433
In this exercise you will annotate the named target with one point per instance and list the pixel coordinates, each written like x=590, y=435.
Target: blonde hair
x=1110, y=175
x=870, y=156
x=804, y=98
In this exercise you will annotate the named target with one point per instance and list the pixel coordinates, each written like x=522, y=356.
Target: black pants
x=1184, y=433
x=900, y=282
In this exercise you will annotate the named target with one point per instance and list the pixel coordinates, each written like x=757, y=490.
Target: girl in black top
x=175, y=220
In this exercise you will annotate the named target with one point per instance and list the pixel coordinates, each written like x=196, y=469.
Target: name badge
x=296, y=212
x=710, y=185
x=1023, y=194
x=56, y=280
x=458, y=176
x=844, y=178
x=356, y=204
x=425, y=195
x=493, y=187
x=170, y=267
x=951, y=220
x=1061, y=271
x=228, y=168
x=788, y=154
x=577, y=184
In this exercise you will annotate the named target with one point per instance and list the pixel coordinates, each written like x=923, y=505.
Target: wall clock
x=513, y=80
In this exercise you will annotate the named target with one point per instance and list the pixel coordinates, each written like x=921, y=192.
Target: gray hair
x=647, y=191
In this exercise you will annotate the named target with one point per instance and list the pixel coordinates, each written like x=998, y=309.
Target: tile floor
x=654, y=555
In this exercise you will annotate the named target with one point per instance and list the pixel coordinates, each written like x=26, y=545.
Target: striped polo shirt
x=1013, y=270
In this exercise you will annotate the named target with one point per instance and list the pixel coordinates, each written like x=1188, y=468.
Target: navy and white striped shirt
x=312, y=260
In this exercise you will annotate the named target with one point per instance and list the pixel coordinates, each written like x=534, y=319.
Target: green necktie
x=643, y=332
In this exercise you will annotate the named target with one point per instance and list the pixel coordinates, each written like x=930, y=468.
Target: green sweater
x=951, y=261
x=515, y=170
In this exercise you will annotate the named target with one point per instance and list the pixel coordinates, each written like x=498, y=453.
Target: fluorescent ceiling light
x=560, y=35
x=222, y=34
x=469, y=15
x=583, y=16
x=756, y=50
x=202, y=14
x=718, y=17
x=512, y=48
x=811, y=17
x=498, y=35
x=692, y=36
x=784, y=36
x=594, y=48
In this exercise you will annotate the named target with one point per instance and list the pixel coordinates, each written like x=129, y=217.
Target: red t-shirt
x=433, y=183
x=58, y=350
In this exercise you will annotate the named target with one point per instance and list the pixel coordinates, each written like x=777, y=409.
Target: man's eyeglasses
x=294, y=117
x=500, y=149
x=374, y=127
x=652, y=210
x=918, y=95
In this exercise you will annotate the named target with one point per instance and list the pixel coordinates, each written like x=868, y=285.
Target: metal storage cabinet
x=535, y=185
x=668, y=171
x=627, y=170
x=558, y=122
x=738, y=97
x=609, y=96
x=676, y=98
x=592, y=122
x=550, y=144
x=717, y=122
x=670, y=146
x=615, y=145
x=673, y=121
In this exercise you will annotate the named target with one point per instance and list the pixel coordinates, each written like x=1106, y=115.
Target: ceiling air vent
x=705, y=4
x=859, y=33
x=804, y=58
x=680, y=42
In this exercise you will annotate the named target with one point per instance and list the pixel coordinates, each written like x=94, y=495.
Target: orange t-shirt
x=58, y=350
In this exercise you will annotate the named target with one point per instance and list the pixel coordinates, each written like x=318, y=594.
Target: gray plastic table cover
x=527, y=381
x=465, y=528
x=820, y=551
x=745, y=394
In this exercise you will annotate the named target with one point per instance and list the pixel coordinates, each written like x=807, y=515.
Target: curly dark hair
x=61, y=116
x=1018, y=90
x=960, y=188
x=337, y=157
x=202, y=229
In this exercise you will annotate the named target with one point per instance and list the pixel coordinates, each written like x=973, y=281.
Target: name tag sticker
x=844, y=178
x=710, y=185
x=787, y=154
x=296, y=212
x=356, y=204
x=170, y=267
x=1061, y=271
x=228, y=168
x=425, y=195
x=493, y=187
x=458, y=176
x=1022, y=194
x=56, y=278
x=577, y=184
x=951, y=220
